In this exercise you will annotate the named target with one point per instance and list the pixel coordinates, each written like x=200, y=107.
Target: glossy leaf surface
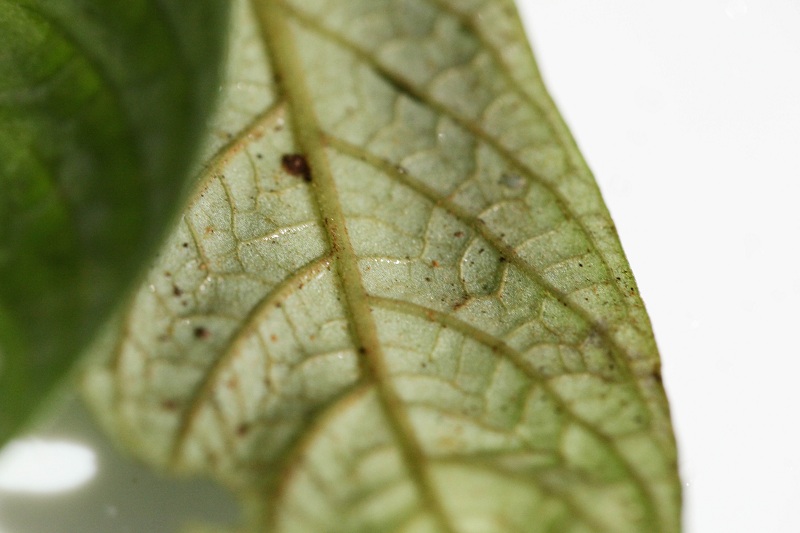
x=101, y=105
x=397, y=302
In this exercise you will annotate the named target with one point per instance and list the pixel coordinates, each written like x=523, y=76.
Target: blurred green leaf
x=101, y=107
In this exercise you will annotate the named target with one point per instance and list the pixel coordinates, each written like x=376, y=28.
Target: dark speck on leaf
x=296, y=165
x=201, y=333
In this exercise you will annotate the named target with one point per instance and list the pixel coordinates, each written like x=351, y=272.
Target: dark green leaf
x=101, y=106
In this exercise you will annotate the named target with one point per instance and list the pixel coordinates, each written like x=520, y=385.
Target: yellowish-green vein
x=205, y=389
x=279, y=39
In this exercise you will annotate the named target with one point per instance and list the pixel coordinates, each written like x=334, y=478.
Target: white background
x=689, y=114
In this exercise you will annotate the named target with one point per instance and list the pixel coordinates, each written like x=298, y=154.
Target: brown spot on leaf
x=458, y=234
x=242, y=429
x=201, y=333
x=460, y=303
x=176, y=290
x=296, y=165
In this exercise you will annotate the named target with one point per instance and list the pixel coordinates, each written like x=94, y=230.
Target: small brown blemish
x=273, y=338
x=362, y=350
x=209, y=230
x=185, y=245
x=201, y=333
x=428, y=279
x=169, y=405
x=242, y=429
x=176, y=290
x=435, y=263
x=458, y=234
x=296, y=165
x=232, y=383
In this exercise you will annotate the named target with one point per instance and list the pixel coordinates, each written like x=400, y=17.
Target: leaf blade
x=452, y=344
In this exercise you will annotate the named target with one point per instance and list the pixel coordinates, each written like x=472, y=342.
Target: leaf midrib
x=280, y=46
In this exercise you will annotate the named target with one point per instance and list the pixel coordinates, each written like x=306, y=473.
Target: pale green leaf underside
x=437, y=333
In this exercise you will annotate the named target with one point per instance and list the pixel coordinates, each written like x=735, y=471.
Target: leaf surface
x=397, y=302
x=101, y=105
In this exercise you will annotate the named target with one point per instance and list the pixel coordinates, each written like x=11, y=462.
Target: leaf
x=397, y=301
x=101, y=105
